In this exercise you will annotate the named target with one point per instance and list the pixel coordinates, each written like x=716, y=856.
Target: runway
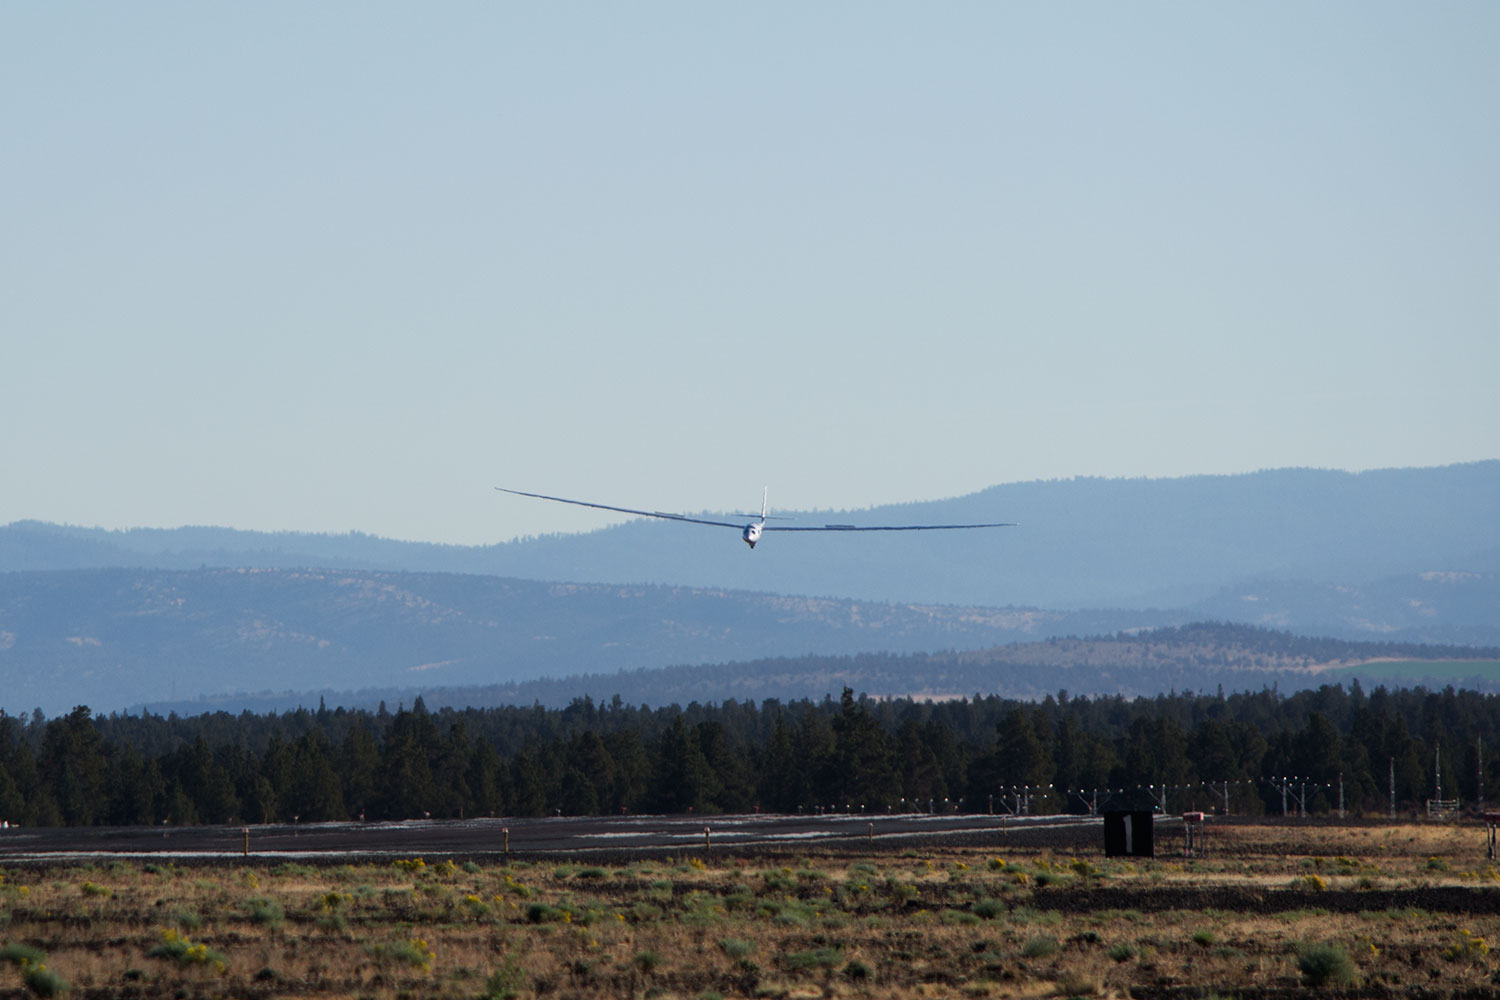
x=581, y=836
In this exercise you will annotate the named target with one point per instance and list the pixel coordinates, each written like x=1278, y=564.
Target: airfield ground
x=1272, y=909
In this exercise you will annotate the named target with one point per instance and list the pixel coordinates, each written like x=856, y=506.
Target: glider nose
x=751, y=534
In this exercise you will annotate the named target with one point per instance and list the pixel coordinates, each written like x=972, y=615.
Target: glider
x=751, y=532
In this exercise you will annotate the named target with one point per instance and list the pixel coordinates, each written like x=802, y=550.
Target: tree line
x=855, y=753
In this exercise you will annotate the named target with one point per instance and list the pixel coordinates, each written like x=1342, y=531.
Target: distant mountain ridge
x=1081, y=543
x=163, y=615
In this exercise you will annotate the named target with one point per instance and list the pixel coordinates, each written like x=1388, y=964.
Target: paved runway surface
x=589, y=835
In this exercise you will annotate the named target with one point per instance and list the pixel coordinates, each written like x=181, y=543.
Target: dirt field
x=1271, y=909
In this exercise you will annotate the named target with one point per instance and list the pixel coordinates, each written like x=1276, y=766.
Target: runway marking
x=552, y=836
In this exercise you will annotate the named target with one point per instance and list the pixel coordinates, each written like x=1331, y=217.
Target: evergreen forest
x=1060, y=754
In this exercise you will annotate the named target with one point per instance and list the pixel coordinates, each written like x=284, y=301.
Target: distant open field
x=1271, y=909
x=1402, y=671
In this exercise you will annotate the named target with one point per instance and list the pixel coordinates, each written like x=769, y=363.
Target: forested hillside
x=1201, y=656
x=135, y=636
x=851, y=753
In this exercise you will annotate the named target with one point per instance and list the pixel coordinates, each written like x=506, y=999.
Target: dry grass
x=939, y=923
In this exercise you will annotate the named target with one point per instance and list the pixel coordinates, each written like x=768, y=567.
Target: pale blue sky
x=347, y=266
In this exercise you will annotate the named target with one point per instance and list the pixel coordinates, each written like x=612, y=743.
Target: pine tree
x=74, y=763
x=866, y=776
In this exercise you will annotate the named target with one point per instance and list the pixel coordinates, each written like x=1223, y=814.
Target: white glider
x=751, y=532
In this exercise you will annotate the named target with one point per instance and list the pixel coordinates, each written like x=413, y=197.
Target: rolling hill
x=1200, y=657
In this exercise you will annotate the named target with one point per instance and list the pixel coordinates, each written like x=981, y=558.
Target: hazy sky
x=348, y=266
